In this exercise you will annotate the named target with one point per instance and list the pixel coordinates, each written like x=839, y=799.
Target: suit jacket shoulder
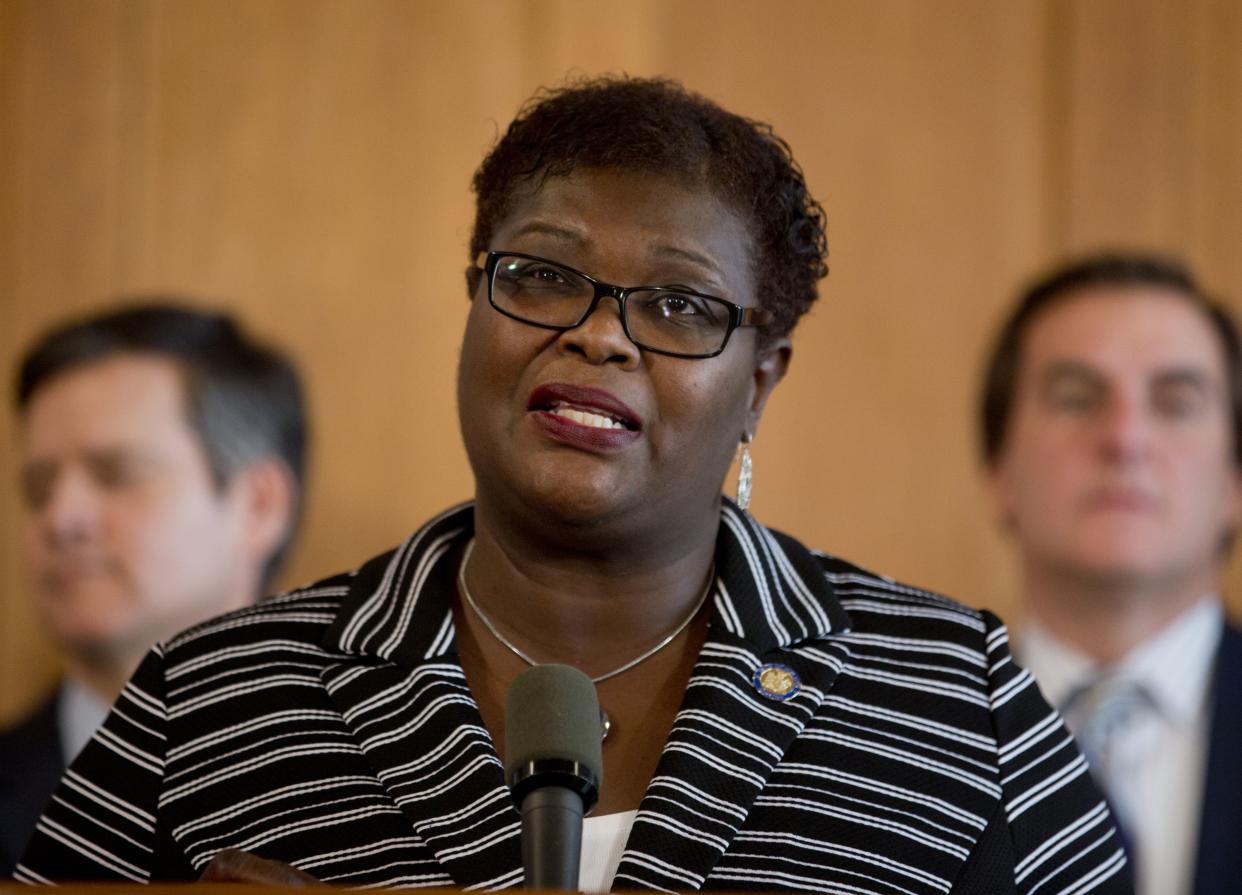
x=30, y=764
x=1218, y=865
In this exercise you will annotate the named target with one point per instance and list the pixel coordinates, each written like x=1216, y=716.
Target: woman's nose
x=601, y=338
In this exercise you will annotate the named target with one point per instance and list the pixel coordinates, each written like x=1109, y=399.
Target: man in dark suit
x=162, y=455
x=1110, y=417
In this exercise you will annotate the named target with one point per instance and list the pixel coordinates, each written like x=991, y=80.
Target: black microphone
x=554, y=765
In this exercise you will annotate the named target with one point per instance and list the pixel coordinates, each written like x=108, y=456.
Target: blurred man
x=162, y=456
x=1111, y=415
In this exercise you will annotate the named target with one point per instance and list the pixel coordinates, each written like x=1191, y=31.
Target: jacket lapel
x=1219, y=862
x=773, y=606
x=404, y=696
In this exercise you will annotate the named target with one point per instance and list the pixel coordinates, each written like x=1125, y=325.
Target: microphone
x=554, y=766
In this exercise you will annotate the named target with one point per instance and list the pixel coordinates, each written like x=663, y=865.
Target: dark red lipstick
x=546, y=400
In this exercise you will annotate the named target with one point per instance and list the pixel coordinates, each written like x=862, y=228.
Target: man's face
x=1118, y=461
x=127, y=539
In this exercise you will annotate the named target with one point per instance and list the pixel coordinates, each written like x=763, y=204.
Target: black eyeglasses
x=664, y=319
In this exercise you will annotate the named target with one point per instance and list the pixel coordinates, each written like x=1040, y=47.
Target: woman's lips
x=583, y=417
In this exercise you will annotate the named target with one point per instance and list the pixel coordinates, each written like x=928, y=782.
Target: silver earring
x=744, y=474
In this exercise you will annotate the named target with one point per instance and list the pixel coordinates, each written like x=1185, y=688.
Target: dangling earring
x=744, y=474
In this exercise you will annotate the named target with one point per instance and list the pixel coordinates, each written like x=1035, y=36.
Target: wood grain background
x=306, y=163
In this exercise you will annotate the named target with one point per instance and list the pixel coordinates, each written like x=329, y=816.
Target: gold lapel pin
x=776, y=681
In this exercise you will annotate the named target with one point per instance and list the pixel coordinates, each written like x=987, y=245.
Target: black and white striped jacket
x=332, y=728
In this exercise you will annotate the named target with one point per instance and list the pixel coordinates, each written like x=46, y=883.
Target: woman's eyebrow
x=685, y=254
x=577, y=238
x=556, y=231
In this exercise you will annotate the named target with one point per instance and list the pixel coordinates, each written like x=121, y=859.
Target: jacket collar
x=399, y=605
x=770, y=592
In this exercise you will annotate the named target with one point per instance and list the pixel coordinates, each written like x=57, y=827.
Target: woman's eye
x=546, y=275
x=537, y=277
x=675, y=304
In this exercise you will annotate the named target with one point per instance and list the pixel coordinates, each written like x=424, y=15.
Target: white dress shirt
x=1160, y=755
x=79, y=712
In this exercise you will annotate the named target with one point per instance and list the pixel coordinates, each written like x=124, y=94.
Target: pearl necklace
x=605, y=721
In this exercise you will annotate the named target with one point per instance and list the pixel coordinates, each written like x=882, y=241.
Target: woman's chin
x=579, y=504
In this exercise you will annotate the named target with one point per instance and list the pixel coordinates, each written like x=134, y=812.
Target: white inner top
x=603, y=841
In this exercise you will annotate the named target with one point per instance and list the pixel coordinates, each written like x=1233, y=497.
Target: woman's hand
x=232, y=865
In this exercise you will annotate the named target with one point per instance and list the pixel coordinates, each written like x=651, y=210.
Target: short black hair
x=243, y=398
x=654, y=125
x=1113, y=269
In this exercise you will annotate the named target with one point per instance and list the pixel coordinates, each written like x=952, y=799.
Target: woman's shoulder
x=861, y=588
x=807, y=589
x=882, y=609
x=301, y=615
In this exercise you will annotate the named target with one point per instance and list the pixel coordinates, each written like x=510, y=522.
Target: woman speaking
x=773, y=718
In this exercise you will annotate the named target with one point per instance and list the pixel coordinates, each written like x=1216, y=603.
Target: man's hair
x=1129, y=269
x=242, y=398
x=656, y=126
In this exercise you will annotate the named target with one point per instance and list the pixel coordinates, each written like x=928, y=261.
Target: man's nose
x=72, y=511
x=1126, y=429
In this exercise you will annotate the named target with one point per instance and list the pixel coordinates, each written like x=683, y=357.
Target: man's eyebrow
x=1185, y=376
x=1069, y=369
x=1076, y=371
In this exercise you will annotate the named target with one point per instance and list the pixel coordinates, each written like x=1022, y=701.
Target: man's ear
x=269, y=499
x=1232, y=507
x=770, y=368
x=999, y=492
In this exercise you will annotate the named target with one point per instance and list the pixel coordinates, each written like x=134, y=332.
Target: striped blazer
x=332, y=728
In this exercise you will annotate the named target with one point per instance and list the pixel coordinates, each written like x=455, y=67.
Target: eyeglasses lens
x=547, y=294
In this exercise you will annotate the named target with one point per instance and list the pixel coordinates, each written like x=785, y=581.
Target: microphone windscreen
x=552, y=712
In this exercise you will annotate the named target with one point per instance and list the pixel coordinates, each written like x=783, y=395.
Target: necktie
x=1102, y=714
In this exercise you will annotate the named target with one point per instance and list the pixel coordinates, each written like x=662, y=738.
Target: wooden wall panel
x=1215, y=191
x=930, y=174
x=1129, y=114
x=306, y=162
x=1148, y=140
x=60, y=216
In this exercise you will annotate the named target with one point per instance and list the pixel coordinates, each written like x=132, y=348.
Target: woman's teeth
x=585, y=418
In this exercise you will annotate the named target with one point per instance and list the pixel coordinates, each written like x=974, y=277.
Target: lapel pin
x=776, y=681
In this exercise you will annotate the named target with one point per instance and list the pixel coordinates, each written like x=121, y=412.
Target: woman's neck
x=592, y=610
x=595, y=619
x=596, y=611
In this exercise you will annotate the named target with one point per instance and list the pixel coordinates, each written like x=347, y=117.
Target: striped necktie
x=1101, y=714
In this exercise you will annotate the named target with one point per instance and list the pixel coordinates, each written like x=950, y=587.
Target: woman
x=778, y=718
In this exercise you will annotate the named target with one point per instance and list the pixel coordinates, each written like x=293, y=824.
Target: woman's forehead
x=600, y=212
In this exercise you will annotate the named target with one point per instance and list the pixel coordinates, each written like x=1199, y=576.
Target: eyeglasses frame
x=739, y=316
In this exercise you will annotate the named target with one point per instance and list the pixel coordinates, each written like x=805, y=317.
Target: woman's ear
x=770, y=368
